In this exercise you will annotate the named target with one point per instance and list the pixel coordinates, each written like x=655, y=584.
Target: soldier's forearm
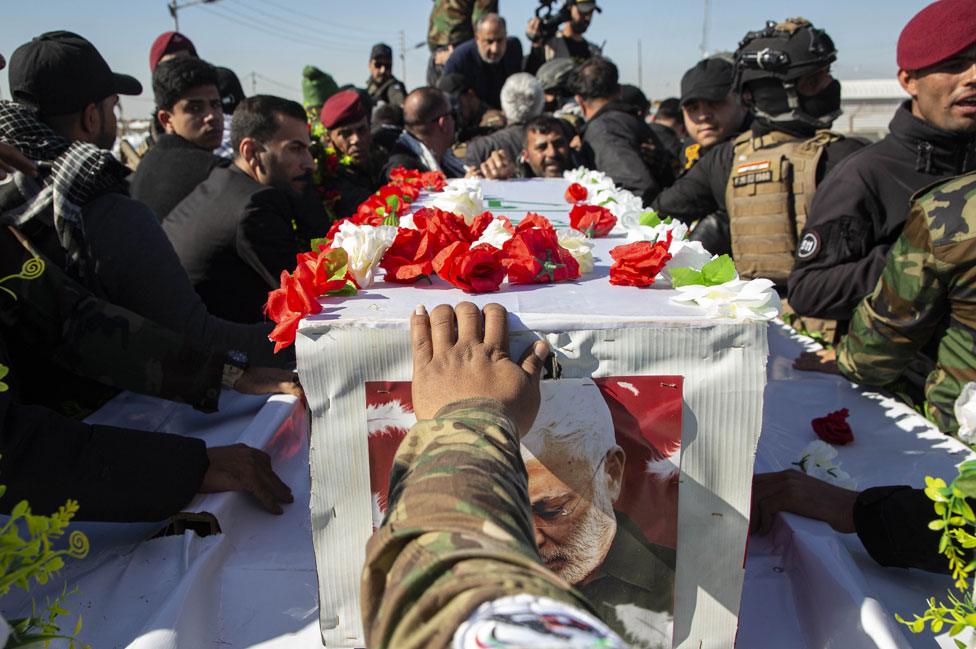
x=458, y=532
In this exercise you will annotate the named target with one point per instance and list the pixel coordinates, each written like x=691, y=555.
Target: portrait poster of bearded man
x=602, y=462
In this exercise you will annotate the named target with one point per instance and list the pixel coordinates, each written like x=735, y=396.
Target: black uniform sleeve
x=701, y=191
x=839, y=258
x=613, y=149
x=892, y=523
x=115, y=474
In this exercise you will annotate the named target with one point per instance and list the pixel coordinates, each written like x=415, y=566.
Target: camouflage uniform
x=74, y=350
x=452, y=21
x=925, y=294
x=458, y=532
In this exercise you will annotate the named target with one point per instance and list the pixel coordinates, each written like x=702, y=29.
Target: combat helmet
x=771, y=60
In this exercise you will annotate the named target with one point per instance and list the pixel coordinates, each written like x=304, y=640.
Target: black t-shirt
x=579, y=50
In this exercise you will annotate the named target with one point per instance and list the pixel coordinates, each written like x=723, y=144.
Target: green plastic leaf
x=718, y=271
x=650, y=219
x=320, y=242
x=936, y=525
x=345, y=291
x=686, y=277
x=966, y=484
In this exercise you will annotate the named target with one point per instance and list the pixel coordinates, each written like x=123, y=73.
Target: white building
x=868, y=105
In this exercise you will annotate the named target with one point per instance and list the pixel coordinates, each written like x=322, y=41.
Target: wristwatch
x=235, y=364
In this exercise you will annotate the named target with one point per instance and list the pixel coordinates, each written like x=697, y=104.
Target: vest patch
x=809, y=246
x=752, y=173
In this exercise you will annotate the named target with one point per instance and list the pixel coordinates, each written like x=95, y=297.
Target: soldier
x=713, y=112
x=764, y=180
x=860, y=212
x=479, y=566
x=347, y=130
x=569, y=43
x=925, y=290
x=452, y=23
x=382, y=86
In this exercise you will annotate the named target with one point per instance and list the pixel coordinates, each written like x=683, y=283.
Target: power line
x=276, y=82
x=327, y=22
x=279, y=32
x=314, y=30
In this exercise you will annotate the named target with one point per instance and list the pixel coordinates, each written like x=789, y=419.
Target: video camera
x=550, y=20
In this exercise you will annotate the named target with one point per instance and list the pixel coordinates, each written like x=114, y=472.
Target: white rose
x=365, y=245
x=494, y=235
x=579, y=246
x=684, y=254
x=659, y=232
x=406, y=221
x=736, y=299
x=461, y=196
x=817, y=460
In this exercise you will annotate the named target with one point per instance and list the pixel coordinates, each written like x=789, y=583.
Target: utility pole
x=704, y=42
x=174, y=9
x=254, y=83
x=640, y=66
x=403, y=57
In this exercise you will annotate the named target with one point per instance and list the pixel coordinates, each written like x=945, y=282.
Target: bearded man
x=233, y=233
x=488, y=59
x=575, y=470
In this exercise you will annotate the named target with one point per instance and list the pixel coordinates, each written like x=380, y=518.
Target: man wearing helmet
x=765, y=179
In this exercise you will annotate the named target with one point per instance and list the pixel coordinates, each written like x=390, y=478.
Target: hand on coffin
x=269, y=380
x=242, y=468
x=12, y=160
x=824, y=360
x=498, y=166
x=798, y=493
x=458, y=354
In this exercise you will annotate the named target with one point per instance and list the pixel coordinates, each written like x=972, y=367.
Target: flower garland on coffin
x=475, y=254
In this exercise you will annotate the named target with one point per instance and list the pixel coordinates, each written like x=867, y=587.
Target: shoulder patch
x=809, y=246
x=530, y=622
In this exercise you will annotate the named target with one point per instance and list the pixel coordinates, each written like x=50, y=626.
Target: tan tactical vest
x=768, y=196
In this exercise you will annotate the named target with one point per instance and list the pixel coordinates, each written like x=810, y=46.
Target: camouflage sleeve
x=903, y=312
x=46, y=309
x=452, y=21
x=458, y=532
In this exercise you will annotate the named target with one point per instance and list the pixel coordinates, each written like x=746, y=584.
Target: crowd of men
x=151, y=275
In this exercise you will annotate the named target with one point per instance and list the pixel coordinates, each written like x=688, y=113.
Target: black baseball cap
x=60, y=73
x=381, y=51
x=710, y=79
x=586, y=6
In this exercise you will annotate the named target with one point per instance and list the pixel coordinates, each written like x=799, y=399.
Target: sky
x=268, y=42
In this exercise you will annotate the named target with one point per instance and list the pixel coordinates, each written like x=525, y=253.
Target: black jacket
x=169, y=172
x=893, y=525
x=701, y=191
x=612, y=141
x=115, y=474
x=860, y=210
x=234, y=236
x=486, y=79
x=354, y=185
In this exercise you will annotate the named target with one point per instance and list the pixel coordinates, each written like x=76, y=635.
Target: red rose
x=576, y=193
x=834, y=428
x=533, y=220
x=475, y=270
x=434, y=181
x=534, y=256
x=592, y=220
x=314, y=271
x=286, y=306
x=443, y=227
x=409, y=258
x=638, y=264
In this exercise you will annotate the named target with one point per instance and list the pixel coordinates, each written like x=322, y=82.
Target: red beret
x=169, y=43
x=938, y=32
x=342, y=108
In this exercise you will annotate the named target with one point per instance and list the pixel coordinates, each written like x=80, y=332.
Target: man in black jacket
x=425, y=144
x=356, y=177
x=234, y=233
x=864, y=203
x=783, y=75
x=189, y=109
x=613, y=134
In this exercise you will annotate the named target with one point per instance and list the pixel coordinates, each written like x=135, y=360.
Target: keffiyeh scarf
x=73, y=173
x=451, y=165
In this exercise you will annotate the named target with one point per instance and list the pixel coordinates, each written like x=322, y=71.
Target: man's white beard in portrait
x=589, y=543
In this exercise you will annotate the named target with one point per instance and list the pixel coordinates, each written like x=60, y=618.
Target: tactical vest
x=768, y=196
